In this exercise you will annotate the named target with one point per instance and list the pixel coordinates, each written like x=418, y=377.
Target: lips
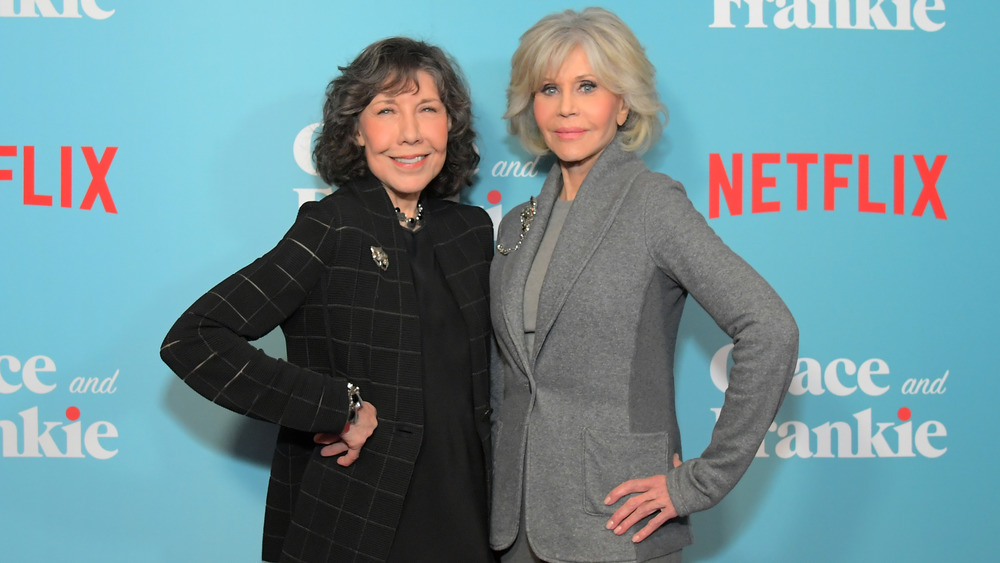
x=569, y=133
x=409, y=160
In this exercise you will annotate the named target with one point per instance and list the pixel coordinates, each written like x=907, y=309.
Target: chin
x=573, y=158
x=412, y=188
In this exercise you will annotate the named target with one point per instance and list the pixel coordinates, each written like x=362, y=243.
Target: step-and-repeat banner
x=845, y=148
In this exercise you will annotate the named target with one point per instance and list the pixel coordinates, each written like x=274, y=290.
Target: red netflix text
x=843, y=176
x=97, y=166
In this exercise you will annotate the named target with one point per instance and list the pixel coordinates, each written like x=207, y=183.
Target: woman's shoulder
x=335, y=209
x=650, y=181
x=660, y=193
x=472, y=215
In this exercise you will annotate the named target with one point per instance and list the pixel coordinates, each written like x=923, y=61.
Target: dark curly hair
x=391, y=65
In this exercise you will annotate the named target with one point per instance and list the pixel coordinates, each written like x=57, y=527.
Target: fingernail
x=619, y=530
x=635, y=539
x=610, y=524
x=607, y=500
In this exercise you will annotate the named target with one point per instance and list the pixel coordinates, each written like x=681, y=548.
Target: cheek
x=370, y=156
x=441, y=133
x=611, y=114
x=363, y=137
x=538, y=107
x=373, y=135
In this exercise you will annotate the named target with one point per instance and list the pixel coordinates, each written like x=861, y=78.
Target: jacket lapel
x=383, y=225
x=516, y=266
x=454, y=259
x=594, y=210
x=466, y=286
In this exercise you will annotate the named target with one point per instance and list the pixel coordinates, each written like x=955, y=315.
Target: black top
x=444, y=516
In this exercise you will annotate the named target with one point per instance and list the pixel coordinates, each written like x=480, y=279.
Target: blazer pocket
x=611, y=458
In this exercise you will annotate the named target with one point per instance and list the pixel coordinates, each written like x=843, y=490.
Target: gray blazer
x=592, y=405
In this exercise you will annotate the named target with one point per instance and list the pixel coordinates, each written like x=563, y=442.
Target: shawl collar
x=517, y=264
x=593, y=212
x=373, y=196
x=444, y=228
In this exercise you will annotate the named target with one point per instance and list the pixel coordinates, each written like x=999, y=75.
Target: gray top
x=533, y=288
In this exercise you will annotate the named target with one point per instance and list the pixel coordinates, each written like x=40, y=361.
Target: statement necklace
x=411, y=223
x=527, y=216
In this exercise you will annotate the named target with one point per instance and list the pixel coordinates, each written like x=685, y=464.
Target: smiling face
x=405, y=137
x=577, y=115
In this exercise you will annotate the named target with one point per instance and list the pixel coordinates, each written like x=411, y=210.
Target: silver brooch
x=527, y=216
x=380, y=257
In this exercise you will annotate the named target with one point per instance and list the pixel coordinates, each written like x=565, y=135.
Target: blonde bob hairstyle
x=619, y=62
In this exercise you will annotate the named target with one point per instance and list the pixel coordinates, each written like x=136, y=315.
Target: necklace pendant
x=410, y=223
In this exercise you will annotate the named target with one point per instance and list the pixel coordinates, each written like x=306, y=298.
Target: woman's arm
x=765, y=339
x=747, y=308
x=209, y=348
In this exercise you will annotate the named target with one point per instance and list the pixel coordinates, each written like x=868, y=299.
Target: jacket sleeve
x=743, y=304
x=209, y=348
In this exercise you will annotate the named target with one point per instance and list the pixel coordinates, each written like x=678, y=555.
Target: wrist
x=354, y=404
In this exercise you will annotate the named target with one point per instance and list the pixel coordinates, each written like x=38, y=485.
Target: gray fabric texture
x=540, y=265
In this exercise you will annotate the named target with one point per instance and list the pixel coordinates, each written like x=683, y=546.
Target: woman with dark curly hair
x=380, y=288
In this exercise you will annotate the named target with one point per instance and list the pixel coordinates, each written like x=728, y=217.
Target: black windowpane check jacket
x=344, y=319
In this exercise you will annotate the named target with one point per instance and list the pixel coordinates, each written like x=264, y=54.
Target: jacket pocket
x=611, y=458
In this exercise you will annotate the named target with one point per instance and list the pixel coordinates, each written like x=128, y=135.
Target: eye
x=548, y=89
x=588, y=86
x=384, y=111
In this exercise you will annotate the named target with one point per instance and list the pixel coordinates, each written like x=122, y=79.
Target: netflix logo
x=62, y=183
x=838, y=181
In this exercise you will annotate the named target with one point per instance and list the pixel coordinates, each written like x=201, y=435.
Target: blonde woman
x=587, y=293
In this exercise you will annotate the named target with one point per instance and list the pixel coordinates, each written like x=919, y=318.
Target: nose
x=567, y=104
x=409, y=128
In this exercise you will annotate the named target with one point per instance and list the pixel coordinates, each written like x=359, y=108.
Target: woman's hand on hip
x=649, y=496
x=353, y=437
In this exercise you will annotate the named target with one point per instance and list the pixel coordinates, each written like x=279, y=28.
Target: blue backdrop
x=840, y=146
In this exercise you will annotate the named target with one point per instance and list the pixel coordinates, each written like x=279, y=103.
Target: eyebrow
x=392, y=99
x=590, y=76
